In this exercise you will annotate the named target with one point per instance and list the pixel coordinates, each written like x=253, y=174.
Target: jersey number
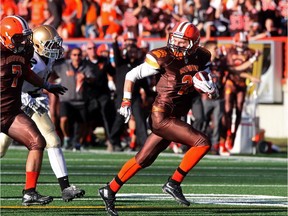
x=16, y=69
x=187, y=79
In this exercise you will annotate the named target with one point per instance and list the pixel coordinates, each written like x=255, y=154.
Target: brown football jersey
x=13, y=67
x=175, y=84
x=235, y=58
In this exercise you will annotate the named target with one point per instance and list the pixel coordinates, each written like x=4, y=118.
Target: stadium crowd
x=126, y=23
x=152, y=18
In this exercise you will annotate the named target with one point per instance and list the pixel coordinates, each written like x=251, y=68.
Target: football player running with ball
x=175, y=66
x=47, y=48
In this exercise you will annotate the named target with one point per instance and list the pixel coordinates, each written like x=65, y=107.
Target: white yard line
x=217, y=199
x=160, y=185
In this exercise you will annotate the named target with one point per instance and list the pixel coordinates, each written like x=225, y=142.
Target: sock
x=229, y=133
x=64, y=182
x=57, y=162
x=190, y=159
x=128, y=170
x=31, y=180
x=132, y=144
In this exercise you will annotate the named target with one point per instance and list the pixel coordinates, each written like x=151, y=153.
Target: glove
x=28, y=101
x=111, y=85
x=125, y=109
x=206, y=86
x=44, y=104
x=255, y=56
x=56, y=89
x=38, y=105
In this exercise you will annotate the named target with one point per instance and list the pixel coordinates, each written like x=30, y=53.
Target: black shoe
x=68, y=194
x=109, y=200
x=34, y=198
x=175, y=191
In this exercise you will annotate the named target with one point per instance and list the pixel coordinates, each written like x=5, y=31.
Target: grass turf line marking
x=154, y=185
x=216, y=199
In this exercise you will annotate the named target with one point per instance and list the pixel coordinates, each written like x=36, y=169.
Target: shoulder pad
x=161, y=56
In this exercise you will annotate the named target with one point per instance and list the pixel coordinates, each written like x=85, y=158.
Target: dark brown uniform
x=173, y=100
x=15, y=68
x=235, y=87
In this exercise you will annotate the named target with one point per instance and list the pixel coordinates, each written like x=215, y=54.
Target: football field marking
x=215, y=199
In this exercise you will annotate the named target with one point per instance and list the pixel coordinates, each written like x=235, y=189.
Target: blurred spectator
x=56, y=8
x=123, y=65
x=109, y=14
x=100, y=106
x=23, y=9
x=37, y=16
x=68, y=25
x=283, y=13
x=91, y=25
x=130, y=17
x=153, y=21
x=8, y=8
x=214, y=108
x=270, y=31
x=251, y=18
x=76, y=75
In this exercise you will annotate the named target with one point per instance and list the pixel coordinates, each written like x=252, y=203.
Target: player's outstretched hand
x=125, y=109
x=56, y=89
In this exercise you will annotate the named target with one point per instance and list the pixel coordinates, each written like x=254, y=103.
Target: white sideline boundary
x=215, y=199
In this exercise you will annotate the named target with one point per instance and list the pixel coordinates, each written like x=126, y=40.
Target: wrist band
x=127, y=95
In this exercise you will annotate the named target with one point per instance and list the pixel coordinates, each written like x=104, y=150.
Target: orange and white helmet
x=15, y=33
x=240, y=41
x=187, y=31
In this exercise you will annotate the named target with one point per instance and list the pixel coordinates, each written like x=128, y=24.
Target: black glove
x=55, y=88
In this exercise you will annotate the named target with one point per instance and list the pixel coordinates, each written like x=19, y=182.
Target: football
x=200, y=78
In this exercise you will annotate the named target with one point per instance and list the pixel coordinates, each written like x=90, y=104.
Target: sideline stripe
x=155, y=185
x=216, y=199
x=156, y=167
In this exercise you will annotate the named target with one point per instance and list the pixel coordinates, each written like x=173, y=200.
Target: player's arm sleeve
x=33, y=78
x=148, y=68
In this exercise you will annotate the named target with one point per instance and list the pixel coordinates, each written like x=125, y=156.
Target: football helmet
x=189, y=37
x=47, y=42
x=15, y=33
x=240, y=41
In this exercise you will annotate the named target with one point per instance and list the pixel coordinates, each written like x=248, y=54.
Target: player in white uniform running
x=48, y=48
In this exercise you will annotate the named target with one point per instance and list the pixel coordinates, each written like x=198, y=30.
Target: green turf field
x=236, y=185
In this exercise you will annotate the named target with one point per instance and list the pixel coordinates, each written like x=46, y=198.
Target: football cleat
x=223, y=150
x=229, y=143
x=176, y=192
x=109, y=199
x=68, y=194
x=67, y=144
x=34, y=198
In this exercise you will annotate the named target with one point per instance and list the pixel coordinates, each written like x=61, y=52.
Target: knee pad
x=47, y=129
x=52, y=140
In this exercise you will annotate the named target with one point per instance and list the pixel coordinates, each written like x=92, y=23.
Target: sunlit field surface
x=236, y=185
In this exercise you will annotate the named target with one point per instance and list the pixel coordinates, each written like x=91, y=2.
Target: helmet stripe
x=182, y=27
x=22, y=21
